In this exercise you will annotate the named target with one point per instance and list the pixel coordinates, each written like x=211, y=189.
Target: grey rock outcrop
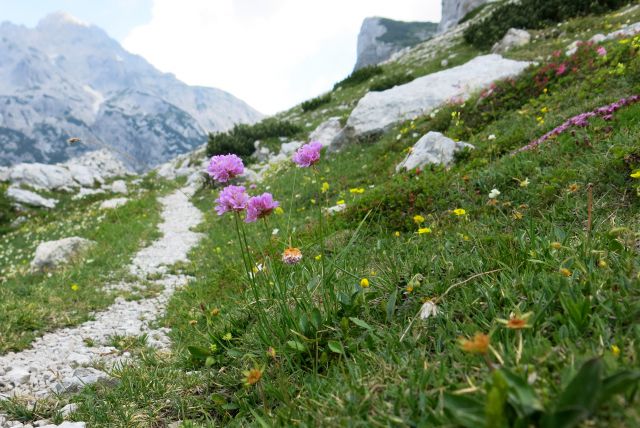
x=380, y=38
x=67, y=88
x=432, y=148
x=454, y=10
x=327, y=131
x=377, y=111
x=110, y=204
x=51, y=254
x=26, y=197
x=512, y=39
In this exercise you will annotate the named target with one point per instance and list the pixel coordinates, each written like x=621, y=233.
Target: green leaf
x=313, y=283
x=210, y=361
x=391, y=304
x=297, y=346
x=303, y=324
x=316, y=318
x=521, y=395
x=466, y=411
x=567, y=418
x=495, y=404
x=335, y=346
x=198, y=352
x=360, y=323
x=584, y=389
x=617, y=384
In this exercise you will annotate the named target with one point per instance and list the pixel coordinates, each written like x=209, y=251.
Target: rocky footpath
x=64, y=360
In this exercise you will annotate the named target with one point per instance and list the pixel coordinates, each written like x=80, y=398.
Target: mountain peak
x=61, y=18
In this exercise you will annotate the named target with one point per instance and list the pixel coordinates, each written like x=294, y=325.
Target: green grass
x=347, y=355
x=31, y=304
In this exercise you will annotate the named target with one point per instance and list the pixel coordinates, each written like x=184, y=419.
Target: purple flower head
x=260, y=207
x=224, y=167
x=308, y=154
x=601, y=51
x=232, y=198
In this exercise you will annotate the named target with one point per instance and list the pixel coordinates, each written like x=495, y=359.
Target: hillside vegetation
x=501, y=291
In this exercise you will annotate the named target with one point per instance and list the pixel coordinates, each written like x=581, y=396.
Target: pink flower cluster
x=225, y=167
x=235, y=198
x=582, y=120
x=308, y=155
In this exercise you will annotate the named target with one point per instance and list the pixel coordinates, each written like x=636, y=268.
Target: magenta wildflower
x=601, y=51
x=260, y=206
x=224, y=167
x=562, y=68
x=308, y=154
x=232, y=198
x=582, y=120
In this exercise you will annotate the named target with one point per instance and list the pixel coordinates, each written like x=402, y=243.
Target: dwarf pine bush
x=359, y=76
x=241, y=138
x=531, y=14
x=316, y=102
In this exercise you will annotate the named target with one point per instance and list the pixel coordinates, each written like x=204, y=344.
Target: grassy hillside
x=426, y=302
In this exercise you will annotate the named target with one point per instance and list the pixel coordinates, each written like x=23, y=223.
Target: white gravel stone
x=113, y=203
x=55, y=355
x=18, y=375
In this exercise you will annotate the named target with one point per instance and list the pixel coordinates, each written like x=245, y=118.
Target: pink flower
x=308, y=154
x=260, y=206
x=224, y=167
x=601, y=51
x=561, y=69
x=232, y=198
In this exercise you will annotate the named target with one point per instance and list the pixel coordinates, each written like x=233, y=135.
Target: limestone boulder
x=52, y=254
x=327, y=131
x=43, y=177
x=432, y=148
x=514, y=38
x=377, y=111
x=26, y=197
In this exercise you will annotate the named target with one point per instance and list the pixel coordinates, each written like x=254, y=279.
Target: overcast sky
x=270, y=53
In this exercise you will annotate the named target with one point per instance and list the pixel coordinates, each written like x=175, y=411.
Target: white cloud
x=271, y=53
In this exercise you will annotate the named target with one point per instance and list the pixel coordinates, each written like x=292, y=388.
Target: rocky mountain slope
x=379, y=38
x=65, y=79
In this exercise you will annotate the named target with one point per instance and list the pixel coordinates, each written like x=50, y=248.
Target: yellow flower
x=424, y=230
x=556, y=245
x=318, y=257
x=517, y=215
x=356, y=190
x=75, y=287
x=478, y=345
x=544, y=110
x=565, y=272
x=227, y=337
x=325, y=187
x=193, y=322
x=418, y=219
x=253, y=376
x=279, y=210
x=396, y=234
x=602, y=263
x=459, y=212
x=635, y=174
x=341, y=202
x=574, y=187
x=364, y=283
x=271, y=352
x=517, y=322
x=215, y=312
x=524, y=183
x=615, y=350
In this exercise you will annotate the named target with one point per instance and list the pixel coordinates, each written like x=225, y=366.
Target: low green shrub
x=532, y=14
x=6, y=211
x=389, y=82
x=359, y=76
x=241, y=138
x=316, y=102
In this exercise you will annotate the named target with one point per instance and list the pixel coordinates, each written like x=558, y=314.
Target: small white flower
x=494, y=193
x=492, y=137
x=428, y=309
x=275, y=231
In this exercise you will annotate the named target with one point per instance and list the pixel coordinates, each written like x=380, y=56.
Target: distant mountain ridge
x=65, y=79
